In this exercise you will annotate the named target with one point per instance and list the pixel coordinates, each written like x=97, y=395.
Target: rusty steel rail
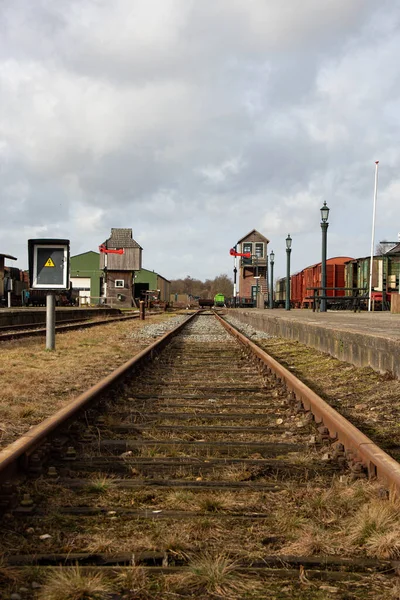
x=64, y=327
x=365, y=451
x=16, y=452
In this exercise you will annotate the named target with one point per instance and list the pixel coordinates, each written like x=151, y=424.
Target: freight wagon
x=385, y=276
x=15, y=282
x=280, y=293
x=335, y=278
x=206, y=302
x=305, y=286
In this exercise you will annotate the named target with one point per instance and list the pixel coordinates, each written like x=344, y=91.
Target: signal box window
x=119, y=283
x=259, y=250
x=247, y=247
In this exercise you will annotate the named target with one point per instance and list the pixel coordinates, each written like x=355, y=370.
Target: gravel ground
x=203, y=329
x=150, y=332
x=248, y=330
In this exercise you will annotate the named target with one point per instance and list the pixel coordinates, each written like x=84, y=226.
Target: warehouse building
x=86, y=277
x=146, y=281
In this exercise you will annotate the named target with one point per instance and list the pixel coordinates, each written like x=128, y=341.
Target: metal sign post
x=50, y=322
x=49, y=271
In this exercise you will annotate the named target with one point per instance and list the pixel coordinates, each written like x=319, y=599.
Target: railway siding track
x=36, y=329
x=195, y=469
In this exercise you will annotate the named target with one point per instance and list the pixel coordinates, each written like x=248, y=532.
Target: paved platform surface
x=382, y=324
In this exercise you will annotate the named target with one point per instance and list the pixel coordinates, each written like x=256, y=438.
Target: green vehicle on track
x=219, y=300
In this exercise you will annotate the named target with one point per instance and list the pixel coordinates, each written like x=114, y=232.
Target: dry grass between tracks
x=208, y=577
x=366, y=398
x=36, y=382
x=347, y=518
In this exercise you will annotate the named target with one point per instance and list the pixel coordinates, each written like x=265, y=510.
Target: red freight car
x=297, y=289
x=306, y=283
x=335, y=278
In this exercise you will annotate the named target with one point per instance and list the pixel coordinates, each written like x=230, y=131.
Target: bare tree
x=222, y=284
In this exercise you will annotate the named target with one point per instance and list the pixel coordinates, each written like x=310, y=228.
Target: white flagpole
x=373, y=235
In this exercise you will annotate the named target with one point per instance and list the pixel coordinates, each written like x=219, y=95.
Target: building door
x=82, y=286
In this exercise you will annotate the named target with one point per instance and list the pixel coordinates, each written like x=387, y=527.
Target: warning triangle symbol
x=49, y=263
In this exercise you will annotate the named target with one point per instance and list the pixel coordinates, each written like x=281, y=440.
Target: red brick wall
x=246, y=281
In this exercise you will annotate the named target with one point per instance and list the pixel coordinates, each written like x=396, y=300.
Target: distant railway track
x=39, y=329
x=199, y=454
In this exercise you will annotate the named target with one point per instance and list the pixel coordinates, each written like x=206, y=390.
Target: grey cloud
x=194, y=122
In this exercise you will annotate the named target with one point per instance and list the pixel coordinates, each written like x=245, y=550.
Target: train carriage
x=385, y=276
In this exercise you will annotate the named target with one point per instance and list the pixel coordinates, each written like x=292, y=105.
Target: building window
x=247, y=247
x=259, y=251
x=119, y=283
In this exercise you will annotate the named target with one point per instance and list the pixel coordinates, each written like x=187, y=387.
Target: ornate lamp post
x=271, y=294
x=256, y=277
x=288, y=251
x=324, y=226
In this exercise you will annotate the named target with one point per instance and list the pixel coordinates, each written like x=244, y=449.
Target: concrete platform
x=24, y=316
x=363, y=339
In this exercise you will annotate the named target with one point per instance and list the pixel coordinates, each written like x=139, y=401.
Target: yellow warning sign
x=49, y=263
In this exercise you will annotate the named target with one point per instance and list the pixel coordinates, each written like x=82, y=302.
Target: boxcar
x=385, y=277
x=297, y=289
x=335, y=278
x=280, y=292
x=307, y=283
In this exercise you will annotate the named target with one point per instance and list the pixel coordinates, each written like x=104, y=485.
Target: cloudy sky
x=195, y=121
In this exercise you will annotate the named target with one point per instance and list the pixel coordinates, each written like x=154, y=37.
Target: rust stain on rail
x=26, y=444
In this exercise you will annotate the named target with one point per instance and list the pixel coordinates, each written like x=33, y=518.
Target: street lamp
x=256, y=277
x=324, y=227
x=288, y=251
x=271, y=294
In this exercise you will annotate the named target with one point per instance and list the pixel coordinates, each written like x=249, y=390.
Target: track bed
x=201, y=478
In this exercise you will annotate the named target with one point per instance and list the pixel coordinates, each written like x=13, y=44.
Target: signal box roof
x=256, y=234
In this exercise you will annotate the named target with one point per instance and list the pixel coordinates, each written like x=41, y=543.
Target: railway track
x=200, y=474
x=39, y=329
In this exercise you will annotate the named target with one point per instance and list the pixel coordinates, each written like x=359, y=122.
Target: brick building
x=255, y=268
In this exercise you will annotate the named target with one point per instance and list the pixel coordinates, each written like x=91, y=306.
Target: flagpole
x=373, y=235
